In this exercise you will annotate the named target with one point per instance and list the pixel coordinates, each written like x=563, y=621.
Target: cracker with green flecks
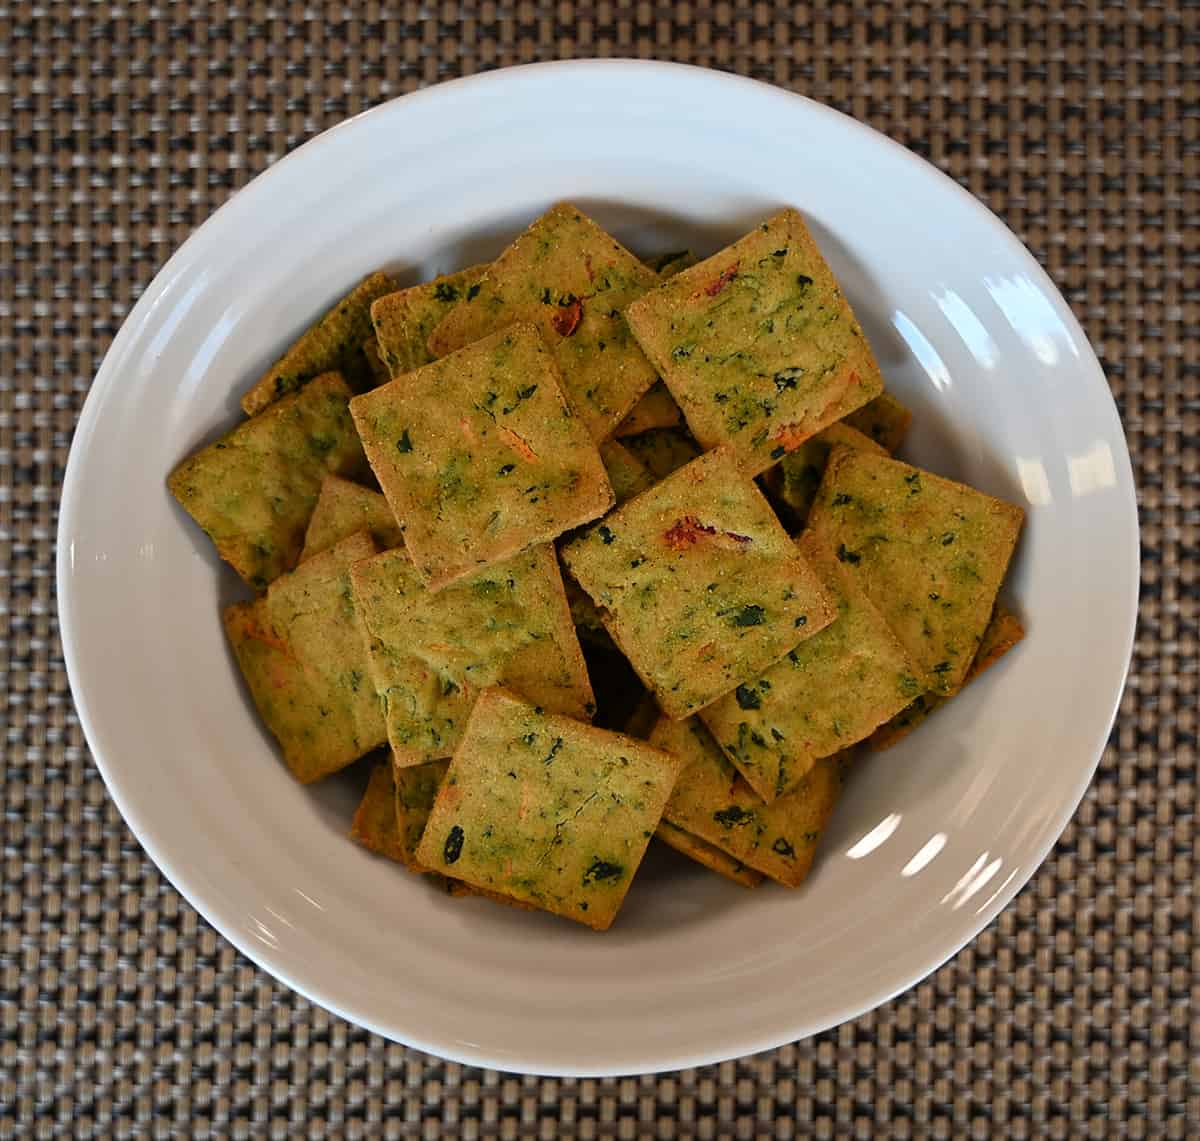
x=480, y=456
x=254, y=489
x=928, y=552
x=884, y=419
x=627, y=474
x=1003, y=632
x=415, y=790
x=657, y=409
x=713, y=802
x=707, y=855
x=375, y=826
x=572, y=280
x=589, y=624
x=343, y=509
x=828, y=693
x=334, y=343
x=379, y=371
x=700, y=585
x=403, y=320
x=758, y=345
x=791, y=485
x=547, y=810
x=305, y=663
x=663, y=450
x=431, y=654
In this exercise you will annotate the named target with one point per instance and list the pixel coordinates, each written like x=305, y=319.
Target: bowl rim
x=747, y=1042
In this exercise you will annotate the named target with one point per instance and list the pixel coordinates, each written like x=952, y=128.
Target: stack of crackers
x=600, y=550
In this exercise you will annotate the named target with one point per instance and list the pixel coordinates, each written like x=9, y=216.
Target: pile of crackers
x=600, y=550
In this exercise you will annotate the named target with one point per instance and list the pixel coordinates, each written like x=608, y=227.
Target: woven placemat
x=1074, y=1013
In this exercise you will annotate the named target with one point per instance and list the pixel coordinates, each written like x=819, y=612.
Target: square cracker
x=791, y=485
x=1003, y=632
x=827, y=694
x=375, y=824
x=254, y=489
x=928, y=552
x=416, y=788
x=712, y=802
x=701, y=586
x=431, y=654
x=572, y=280
x=334, y=343
x=547, y=810
x=480, y=455
x=757, y=344
x=403, y=320
x=707, y=855
x=343, y=509
x=884, y=419
x=305, y=663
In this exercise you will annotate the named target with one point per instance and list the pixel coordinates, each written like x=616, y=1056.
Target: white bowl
x=931, y=840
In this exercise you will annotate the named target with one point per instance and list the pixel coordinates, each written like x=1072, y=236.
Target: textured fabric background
x=1074, y=1014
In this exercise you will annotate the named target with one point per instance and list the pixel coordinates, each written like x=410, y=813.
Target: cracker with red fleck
x=480, y=456
x=698, y=583
x=758, y=345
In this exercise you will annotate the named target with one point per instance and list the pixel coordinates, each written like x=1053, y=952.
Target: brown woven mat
x=1075, y=1013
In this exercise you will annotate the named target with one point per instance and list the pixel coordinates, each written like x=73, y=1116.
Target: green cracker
x=588, y=621
x=1003, y=632
x=305, y=663
x=828, y=693
x=657, y=409
x=884, y=419
x=707, y=855
x=547, y=810
x=572, y=280
x=431, y=654
x=254, y=489
x=702, y=588
x=757, y=344
x=334, y=343
x=712, y=802
x=928, y=552
x=791, y=485
x=480, y=455
x=379, y=371
x=403, y=320
x=662, y=451
x=374, y=825
x=343, y=509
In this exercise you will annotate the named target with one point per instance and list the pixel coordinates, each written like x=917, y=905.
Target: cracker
x=707, y=855
x=712, y=802
x=657, y=409
x=929, y=553
x=1003, y=632
x=662, y=451
x=374, y=825
x=480, y=456
x=403, y=320
x=415, y=789
x=334, y=343
x=431, y=654
x=884, y=419
x=757, y=344
x=791, y=485
x=547, y=810
x=343, y=509
x=701, y=587
x=828, y=693
x=572, y=280
x=305, y=663
x=254, y=489
x=589, y=623
x=627, y=474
